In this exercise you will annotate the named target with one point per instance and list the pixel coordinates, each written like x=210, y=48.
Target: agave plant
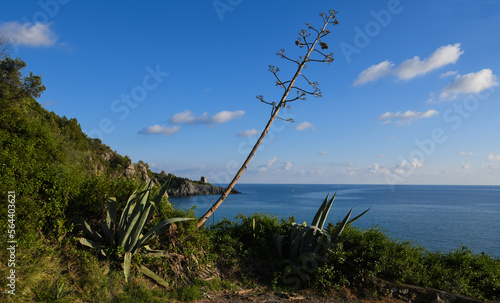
x=305, y=239
x=128, y=236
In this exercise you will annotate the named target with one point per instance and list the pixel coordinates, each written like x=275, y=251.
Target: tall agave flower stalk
x=288, y=87
x=129, y=234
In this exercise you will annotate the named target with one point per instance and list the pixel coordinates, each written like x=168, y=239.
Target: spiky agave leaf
x=281, y=241
x=135, y=212
x=136, y=230
x=359, y=216
x=319, y=213
x=325, y=212
x=143, y=269
x=158, y=198
x=344, y=222
x=79, y=222
x=126, y=265
x=111, y=216
x=89, y=243
x=127, y=211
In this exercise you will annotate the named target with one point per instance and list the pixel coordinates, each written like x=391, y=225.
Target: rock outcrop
x=187, y=188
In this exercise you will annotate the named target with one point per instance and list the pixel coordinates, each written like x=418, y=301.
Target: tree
x=288, y=86
x=12, y=83
x=4, y=47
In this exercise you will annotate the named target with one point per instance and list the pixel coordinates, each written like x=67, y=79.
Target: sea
x=437, y=217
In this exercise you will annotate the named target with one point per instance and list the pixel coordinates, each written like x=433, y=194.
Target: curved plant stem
x=276, y=109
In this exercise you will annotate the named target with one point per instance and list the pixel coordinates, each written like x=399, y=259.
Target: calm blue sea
x=437, y=217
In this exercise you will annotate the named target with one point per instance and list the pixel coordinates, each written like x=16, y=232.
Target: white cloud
x=378, y=169
x=226, y=116
x=414, y=67
x=270, y=163
x=374, y=72
x=401, y=168
x=465, y=153
x=28, y=34
x=469, y=83
x=380, y=156
x=187, y=117
x=304, y=126
x=406, y=117
x=160, y=129
x=288, y=165
x=323, y=152
x=466, y=166
x=411, y=68
x=494, y=158
x=449, y=73
x=248, y=133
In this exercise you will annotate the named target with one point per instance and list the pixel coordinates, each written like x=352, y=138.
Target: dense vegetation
x=57, y=172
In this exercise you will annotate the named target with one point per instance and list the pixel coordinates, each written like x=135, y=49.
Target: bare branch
x=282, y=54
x=287, y=120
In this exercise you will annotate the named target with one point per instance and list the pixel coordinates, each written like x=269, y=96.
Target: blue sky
x=411, y=98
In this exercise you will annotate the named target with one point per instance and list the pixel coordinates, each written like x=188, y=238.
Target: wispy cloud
x=401, y=168
x=469, y=84
x=494, y=158
x=466, y=166
x=449, y=73
x=270, y=163
x=411, y=68
x=187, y=117
x=465, y=154
x=374, y=72
x=405, y=118
x=288, y=165
x=248, y=133
x=323, y=152
x=304, y=126
x=160, y=129
x=28, y=34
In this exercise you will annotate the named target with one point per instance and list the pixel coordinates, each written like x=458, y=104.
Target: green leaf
x=107, y=234
x=281, y=241
x=126, y=265
x=80, y=223
x=152, y=275
x=158, y=197
x=111, y=212
x=89, y=243
x=131, y=224
x=356, y=218
x=316, y=218
x=326, y=211
x=342, y=225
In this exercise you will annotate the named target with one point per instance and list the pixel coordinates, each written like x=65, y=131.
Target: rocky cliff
x=186, y=188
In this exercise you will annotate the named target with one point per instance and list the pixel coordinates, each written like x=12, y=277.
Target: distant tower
x=203, y=179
